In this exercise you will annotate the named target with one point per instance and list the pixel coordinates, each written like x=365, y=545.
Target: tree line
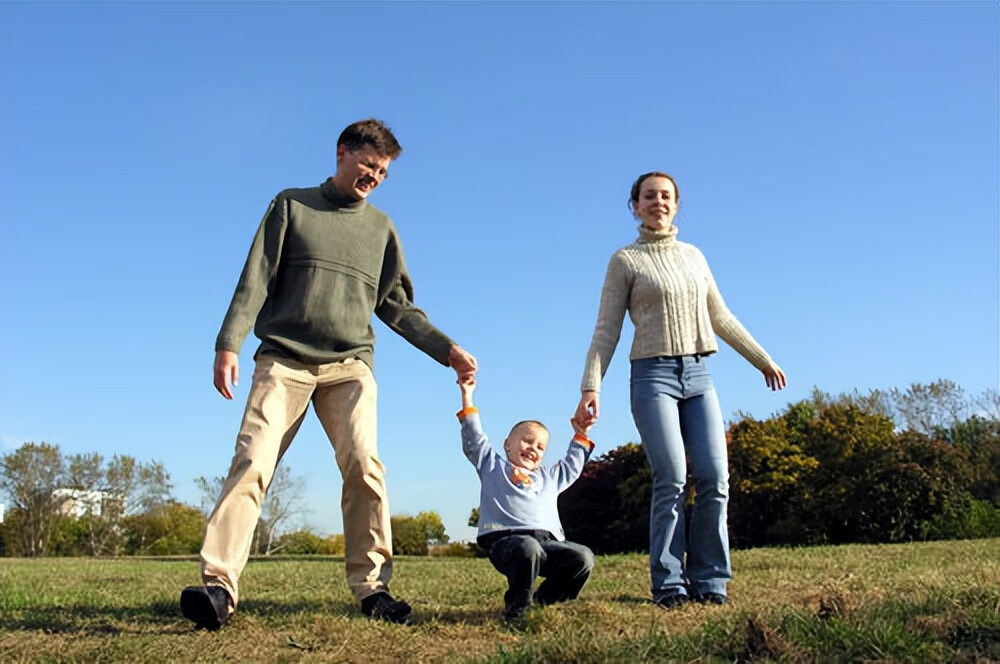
x=86, y=505
x=886, y=466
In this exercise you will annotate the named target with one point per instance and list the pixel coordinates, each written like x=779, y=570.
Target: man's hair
x=535, y=422
x=370, y=132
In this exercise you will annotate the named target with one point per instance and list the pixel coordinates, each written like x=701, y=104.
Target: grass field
x=925, y=602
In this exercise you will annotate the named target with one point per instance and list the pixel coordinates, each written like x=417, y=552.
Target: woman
x=668, y=290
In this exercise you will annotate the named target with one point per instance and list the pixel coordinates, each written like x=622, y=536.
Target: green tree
x=336, y=544
x=306, y=542
x=171, y=528
x=432, y=526
x=70, y=537
x=104, y=495
x=979, y=438
x=407, y=536
x=920, y=479
x=767, y=465
x=474, y=517
x=30, y=477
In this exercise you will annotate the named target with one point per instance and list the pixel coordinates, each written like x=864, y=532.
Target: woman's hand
x=774, y=377
x=588, y=409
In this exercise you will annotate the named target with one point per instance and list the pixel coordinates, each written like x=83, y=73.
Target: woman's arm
x=610, y=315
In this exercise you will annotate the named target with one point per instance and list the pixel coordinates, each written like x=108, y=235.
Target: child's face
x=525, y=446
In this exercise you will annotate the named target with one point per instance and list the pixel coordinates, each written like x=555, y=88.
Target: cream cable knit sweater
x=673, y=301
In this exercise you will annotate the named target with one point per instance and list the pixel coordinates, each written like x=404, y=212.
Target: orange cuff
x=583, y=440
x=466, y=411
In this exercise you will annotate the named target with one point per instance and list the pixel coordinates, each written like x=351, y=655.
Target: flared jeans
x=677, y=414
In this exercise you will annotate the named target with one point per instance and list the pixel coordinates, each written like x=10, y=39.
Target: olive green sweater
x=320, y=265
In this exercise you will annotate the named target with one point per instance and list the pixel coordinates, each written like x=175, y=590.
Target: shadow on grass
x=85, y=619
x=633, y=600
x=476, y=617
x=165, y=617
x=160, y=617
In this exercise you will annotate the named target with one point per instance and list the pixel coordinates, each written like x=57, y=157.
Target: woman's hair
x=637, y=185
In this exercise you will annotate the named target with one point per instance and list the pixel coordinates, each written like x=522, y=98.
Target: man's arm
x=251, y=290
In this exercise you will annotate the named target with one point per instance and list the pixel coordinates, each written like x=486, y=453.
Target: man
x=322, y=262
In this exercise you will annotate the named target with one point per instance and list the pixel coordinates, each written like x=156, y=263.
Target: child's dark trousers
x=523, y=556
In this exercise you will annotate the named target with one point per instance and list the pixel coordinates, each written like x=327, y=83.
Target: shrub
x=453, y=550
x=973, y=519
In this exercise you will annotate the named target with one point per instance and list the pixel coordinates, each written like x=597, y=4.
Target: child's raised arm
x=467, y=387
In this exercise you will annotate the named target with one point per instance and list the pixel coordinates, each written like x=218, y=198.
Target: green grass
x=926, y=602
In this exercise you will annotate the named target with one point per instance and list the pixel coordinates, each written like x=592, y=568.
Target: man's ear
x=341, y=151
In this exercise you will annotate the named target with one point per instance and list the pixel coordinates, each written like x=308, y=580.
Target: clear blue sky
x=838, y=166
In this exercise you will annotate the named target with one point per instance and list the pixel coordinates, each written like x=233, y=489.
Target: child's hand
x=580, y=425
x=467, y=385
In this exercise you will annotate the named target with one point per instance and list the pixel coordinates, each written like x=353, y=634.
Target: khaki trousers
x=343, y=395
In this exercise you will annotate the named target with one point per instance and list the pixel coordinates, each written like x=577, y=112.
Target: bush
x=306, y=542
x=974, y=519
x=453, y=550
x=408, y=537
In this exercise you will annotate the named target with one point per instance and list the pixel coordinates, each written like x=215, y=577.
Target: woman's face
x=657, y=203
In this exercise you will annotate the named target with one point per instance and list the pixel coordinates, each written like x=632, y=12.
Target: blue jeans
x=676, y=411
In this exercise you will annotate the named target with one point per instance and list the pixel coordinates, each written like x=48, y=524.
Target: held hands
x=463, y=363
x=579, y=426
x=226, y=368
x=587, y=411
x=774, y=377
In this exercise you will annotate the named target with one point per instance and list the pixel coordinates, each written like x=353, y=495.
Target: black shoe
x=717, y=599
x=671, y=601
x=208, y=607
x=514, y=613
x=515, y=617
x=382, y=606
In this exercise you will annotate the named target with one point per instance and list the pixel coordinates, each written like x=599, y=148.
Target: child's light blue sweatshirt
x=511, y=497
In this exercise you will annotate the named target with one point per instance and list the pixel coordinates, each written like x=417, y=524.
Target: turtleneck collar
x=664, y=238
x=339, y=199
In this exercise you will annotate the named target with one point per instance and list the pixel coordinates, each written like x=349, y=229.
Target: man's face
x=525, y=446
x=360, y=171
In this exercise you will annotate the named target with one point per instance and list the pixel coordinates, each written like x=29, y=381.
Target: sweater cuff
x=462, y=414
x=583, y=440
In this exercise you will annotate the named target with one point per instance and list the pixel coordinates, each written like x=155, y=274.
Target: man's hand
x=588, y=409
x=227, y=367
x=463, y=363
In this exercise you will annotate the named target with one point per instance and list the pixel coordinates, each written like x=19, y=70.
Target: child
x=518, y=517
